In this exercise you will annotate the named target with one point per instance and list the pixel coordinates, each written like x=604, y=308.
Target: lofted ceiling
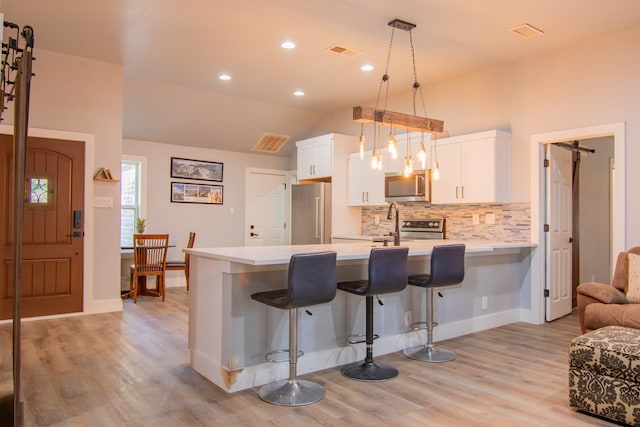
x=172, y=52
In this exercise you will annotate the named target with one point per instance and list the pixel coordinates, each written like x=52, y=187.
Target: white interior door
x=265, y=208
x=558, y=242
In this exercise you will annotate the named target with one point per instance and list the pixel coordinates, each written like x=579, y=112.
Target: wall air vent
x=527, y=31
x=270, y=143
x=344, y=51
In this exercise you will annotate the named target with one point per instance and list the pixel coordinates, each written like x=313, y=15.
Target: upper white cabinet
x=315, y=157
x=365, y=185
x=473, y=169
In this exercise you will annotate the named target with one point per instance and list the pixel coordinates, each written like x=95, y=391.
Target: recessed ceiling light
x=288, y=45
x=224, y=76
x=367, y=67
x=298, y=92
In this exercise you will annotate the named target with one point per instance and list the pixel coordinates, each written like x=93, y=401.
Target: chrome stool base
x=429, y=354
x=369, y=371
x=292, y=393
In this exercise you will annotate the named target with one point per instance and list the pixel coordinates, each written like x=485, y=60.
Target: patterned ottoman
x=604, y=373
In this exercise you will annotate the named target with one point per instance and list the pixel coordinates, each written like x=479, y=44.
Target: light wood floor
x=131, y=369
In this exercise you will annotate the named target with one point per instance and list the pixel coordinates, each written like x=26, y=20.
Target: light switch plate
x=103, y=202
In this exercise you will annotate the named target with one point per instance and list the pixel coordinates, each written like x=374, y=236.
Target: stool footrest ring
x=271, y=357
x=419, y=326
x=357, y=339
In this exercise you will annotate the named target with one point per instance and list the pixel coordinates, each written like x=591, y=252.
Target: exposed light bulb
x=422, y=155
x=379, y=161
x=361, y=146
x=374, y=159
x=436, y=173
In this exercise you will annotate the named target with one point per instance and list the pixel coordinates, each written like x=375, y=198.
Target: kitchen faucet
x=396, y=233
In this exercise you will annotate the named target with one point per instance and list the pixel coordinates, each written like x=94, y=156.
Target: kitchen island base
x=229, y=334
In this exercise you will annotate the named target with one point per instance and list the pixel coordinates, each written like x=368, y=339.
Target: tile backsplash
x=512, y=221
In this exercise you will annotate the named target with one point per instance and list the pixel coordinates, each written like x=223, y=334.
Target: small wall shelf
x=104, y=175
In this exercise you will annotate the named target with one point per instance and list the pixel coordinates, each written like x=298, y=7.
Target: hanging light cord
x=416, y=86
x=385, y=76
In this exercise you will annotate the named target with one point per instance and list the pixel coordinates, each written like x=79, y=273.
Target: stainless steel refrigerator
x=311, y=213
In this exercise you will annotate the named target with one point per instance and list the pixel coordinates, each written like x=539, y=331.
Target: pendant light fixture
x=380, y=116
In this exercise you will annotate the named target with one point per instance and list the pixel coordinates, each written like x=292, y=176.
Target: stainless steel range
x=425, y=228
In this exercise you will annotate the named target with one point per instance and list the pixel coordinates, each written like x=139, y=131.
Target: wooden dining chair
x=149, y=260
x=180, y=264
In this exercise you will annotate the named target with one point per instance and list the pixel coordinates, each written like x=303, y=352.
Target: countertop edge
x=275, y=255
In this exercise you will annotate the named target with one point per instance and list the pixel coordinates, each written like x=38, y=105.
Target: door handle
x=317, y=217
x=457, y=191
x=252, y=234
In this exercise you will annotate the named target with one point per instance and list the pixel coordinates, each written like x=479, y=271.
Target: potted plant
x=141, y=224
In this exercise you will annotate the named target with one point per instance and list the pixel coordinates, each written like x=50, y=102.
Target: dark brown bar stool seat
x=387, y=274
x=311, y=281
x=447, y=269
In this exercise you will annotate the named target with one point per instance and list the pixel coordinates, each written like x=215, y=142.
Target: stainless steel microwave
x=413, y=188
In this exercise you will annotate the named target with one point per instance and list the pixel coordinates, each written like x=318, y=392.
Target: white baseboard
x=103, y=306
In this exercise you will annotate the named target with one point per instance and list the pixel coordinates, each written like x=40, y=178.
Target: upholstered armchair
x=601, y=304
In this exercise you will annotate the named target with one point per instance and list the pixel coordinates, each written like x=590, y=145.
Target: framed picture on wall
x=185, y=192
x=196, y=169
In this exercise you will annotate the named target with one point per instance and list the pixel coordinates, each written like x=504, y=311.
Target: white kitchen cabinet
x=315, y=157
x=473, y=169
x=365, y=185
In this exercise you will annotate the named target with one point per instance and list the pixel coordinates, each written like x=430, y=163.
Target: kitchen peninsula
x=229, y=333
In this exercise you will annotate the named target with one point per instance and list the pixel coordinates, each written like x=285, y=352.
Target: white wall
x=591, y=83
x=215, y=225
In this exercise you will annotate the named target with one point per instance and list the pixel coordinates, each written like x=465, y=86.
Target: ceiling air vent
x=527, y=31
x=344, y=51
x=270, y=143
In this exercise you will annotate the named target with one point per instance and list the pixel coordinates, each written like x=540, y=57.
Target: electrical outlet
x=490, y=218
x=408, y=318
x=376, y=219
x=475, y=219
x=485, y=303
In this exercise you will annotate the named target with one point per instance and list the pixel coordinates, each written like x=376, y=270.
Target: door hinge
x=546, y=293
x=546, y=163
x=546, y=228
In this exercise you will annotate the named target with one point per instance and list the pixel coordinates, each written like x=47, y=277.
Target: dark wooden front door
x=52, y=243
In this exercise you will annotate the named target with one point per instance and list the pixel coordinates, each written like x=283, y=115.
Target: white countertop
x=273, y=255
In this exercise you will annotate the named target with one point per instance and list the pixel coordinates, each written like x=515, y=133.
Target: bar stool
x=387, y=274
x=311, y=281
x=447, y=269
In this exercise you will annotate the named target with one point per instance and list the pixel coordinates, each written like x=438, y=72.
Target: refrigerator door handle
x=317, y=217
